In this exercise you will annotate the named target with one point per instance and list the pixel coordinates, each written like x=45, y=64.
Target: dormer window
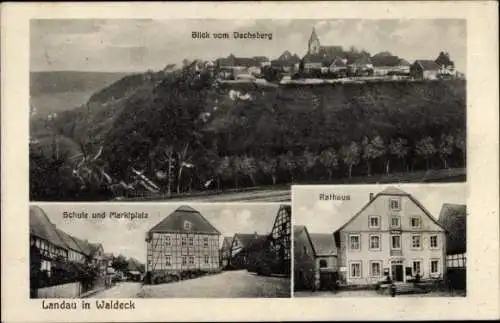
x=187, y=225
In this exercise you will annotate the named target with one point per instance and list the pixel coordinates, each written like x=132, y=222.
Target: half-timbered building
x=183, y=241
x=281, y=238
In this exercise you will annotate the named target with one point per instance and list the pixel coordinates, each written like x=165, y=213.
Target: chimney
x=371, y=196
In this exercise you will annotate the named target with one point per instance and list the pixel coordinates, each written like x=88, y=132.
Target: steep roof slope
x=427, y=64
x=245, y=238
x=69, y=240
x=324, y=244
x=226, y=243
x=175, y=222
x=41, y=227
x=453, y=217
x=393, y=191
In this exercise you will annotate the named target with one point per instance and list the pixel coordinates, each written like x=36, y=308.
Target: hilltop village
x=326, y=63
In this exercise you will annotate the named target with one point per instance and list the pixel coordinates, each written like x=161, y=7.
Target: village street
x=228, y=284
x=120, y=290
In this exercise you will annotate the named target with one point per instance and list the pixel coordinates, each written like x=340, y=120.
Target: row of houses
x=186, y=242
x=52, y=250
x=264, y=254
x=334, y=60
x=392, y=235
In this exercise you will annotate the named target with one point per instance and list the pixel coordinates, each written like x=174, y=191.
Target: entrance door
x=397, y=273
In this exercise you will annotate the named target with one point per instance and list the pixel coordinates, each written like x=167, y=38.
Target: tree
x=269, y=165
x=224, y=169
x=249, y=167
x=287, y=163
x=236, y=165
x=350, y=155
x=372, y=150
x=307, y=161
x=119, y=263
x=328, y=158
x=460, y=143
x=426, y=149
x=399, y=149
x=446, y=144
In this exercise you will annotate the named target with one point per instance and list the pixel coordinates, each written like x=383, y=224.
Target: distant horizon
x=136, y=45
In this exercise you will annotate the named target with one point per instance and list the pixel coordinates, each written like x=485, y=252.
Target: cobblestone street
x=228, y=284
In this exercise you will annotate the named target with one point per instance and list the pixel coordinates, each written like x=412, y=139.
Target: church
x=319, y=56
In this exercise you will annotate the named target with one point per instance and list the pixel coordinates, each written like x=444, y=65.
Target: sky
x=328, y=216
x=133, y=45
x=127, y=237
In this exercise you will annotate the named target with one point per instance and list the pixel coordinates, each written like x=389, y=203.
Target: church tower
x=313, y=43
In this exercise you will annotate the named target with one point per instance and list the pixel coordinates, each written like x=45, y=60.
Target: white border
x=482, y=102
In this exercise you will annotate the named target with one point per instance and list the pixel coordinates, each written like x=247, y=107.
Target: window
x=395, y=223
x=191, y=241
x=395, y=204
x=354, y=243
x=417, y=267
x=183, y=241
x=187, y=225
x=374, y=221
x=434, y=266
x=374, y=242
x=168, y=260
x=375, y=268
x=433, y=240
x=304, y=250
x=191, y=260
x=396, y=242
x=183, y=260
x=415, y=242
x=355, y=270
x=415, y=222
x=167, y=241
x=205, y=259
x=205, y=242
x=323, y=263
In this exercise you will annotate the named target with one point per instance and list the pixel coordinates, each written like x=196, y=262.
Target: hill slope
x=55, y=91
x=242, y=133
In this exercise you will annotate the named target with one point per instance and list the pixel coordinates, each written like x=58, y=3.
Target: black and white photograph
x=161, y=251
x=212, y=110
x=380, y=240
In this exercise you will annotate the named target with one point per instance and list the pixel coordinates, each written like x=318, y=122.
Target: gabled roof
x=393, y=191
x=324, y=244
x=427, y=64
x=339, y=62
x=385, y=60
x=244, y=238
x=174, y=222
x=297, y=229
x=331, y=50
x=133, y=265
x=261, y=59
x=69, y=241
x=453, y=217
x=94, y=247
x=288, y=209
x=84, y=246
x=41, y=227
x=226, y=243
